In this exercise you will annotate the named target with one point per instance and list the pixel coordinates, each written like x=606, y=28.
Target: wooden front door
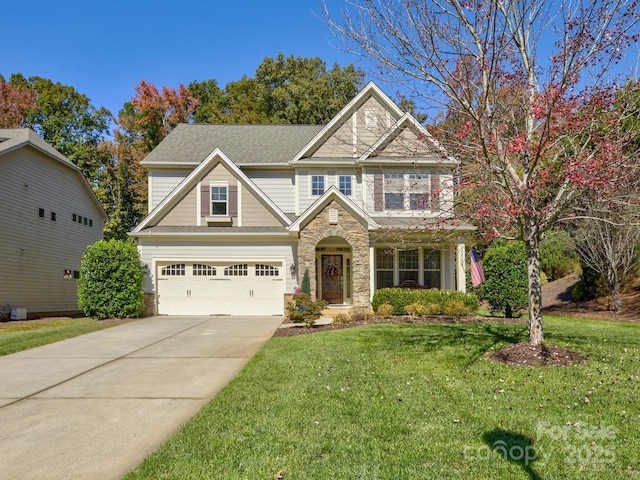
x=332, y=279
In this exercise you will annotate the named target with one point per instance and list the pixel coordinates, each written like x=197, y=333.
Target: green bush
x=304, y=310
x=506, y=285
x=305, y=286
x=558, y=256
x=591, y=285
x=110, y=284
x=415, y=309
x=433, y=301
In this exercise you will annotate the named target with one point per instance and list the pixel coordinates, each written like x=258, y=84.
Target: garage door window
x=200, y=270
x=240, y=270
x=266, y=271
x=173, y=270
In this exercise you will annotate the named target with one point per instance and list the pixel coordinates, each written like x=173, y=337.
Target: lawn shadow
x=514, y=448
x=477, y=338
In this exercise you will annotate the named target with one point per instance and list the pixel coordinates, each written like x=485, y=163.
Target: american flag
x=477, y=273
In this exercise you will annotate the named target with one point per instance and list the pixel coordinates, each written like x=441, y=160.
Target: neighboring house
x=238, y=213
x=48, y=217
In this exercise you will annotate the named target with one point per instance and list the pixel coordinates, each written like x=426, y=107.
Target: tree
x=514, y=76
x=15, y=104
x=67, y=120
x=285, y=90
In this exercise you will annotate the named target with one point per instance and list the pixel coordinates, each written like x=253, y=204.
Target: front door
x=332, y=283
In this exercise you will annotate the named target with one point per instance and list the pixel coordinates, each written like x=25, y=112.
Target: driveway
x=92, y=407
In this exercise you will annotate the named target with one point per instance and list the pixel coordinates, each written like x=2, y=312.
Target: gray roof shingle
x=189, y=144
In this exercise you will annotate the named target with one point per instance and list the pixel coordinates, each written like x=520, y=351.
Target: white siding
x=278, y=186
x=34, y=251
x=162, y=183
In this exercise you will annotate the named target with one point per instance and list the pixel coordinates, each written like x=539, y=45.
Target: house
x=239, y=213
x=48, y=217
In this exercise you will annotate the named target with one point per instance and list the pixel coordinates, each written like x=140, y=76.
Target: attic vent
x=333, y=216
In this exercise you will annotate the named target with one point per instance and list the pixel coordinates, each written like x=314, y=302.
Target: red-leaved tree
x=527, y=93
x=15, y=104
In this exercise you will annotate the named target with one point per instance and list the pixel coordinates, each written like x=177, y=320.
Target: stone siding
x=354, y=233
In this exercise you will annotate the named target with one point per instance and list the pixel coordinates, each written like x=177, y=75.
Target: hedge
x=399, y=298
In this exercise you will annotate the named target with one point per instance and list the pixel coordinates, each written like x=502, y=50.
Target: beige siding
x=184, y=214
x=406, y=144
x=162, y=183
x=34, y=251
x=277, y=185
x=341, y=143
x=254, y=213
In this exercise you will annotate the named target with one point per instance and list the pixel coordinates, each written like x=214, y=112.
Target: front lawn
x=17, y=336
x=415, y=402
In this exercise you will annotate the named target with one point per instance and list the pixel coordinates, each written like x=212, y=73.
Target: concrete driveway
x=92, y=407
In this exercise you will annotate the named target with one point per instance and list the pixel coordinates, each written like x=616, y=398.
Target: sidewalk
x=92, y=407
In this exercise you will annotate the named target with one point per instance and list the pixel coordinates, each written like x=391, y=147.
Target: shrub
x=432, y=301
x=305, y=286
x=385, y=310
x=304, y=310
x=558, y=256
x=591, y=285
x=341, y=318
x=360, y=314
x=110, y=284
x=506, y=285
x=455, y=308
x=415, y=309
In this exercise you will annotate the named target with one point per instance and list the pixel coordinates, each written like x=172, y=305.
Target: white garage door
x=216, y=288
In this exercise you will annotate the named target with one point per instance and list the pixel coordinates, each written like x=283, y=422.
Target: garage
x=220, y=288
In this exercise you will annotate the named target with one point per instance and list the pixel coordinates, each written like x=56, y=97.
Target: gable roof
x=190, y=144
x=216, y=156
x=408, y=121
x=14, y=138
x=332, y=193
x=371, y=89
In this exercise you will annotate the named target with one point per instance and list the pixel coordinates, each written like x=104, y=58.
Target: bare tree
x=523, y=87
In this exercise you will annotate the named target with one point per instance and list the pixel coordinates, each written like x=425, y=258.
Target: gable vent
x=333, y=216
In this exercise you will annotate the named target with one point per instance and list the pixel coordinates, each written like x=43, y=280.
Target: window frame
x=345, y=184
x=317, y=190
x=218, y=201
x=407, y=191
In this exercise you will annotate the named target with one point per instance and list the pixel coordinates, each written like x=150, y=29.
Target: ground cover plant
x=417, y=401
x=18, y=336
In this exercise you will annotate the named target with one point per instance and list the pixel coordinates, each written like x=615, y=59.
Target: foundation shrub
x=432, y=301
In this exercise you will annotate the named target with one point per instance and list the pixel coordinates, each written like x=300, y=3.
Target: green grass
x=416, y=402
x=15, y=337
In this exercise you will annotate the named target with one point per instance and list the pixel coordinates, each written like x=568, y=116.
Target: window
x=84, y=220
x=41, y=212
x=80, y=219
x=177, y=269
x=75, y=217
x=53, y=216
x=384, y=268
x=406, y=191
x=219, y=200
x=432, y=268
x=317, y=185
x=344, y=184
x=240, y=270
x=200, y=270
x=408, y=265
x=90, y=222
x=266, y=271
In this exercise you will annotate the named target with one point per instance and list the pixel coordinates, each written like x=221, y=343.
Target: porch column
x=461, y=278
x=372, y=271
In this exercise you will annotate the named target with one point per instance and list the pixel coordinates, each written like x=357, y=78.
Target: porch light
x=292, y=268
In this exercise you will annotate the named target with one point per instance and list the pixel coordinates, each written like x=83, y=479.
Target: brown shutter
x=233, y=201
x=378, y=196
x=435, y=192
x=205, y=200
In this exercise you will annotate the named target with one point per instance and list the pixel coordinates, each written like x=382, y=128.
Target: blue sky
x=104, y=48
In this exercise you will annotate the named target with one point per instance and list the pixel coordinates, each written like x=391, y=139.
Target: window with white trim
x=407, y=191
x=240, y=270
x=408, y=265
x=432, y=268
x=177, y=269
x=200, y=270
x=219, y=199
x=266, y=271
x=344, y=184
x=317, y=185
x=384, y=267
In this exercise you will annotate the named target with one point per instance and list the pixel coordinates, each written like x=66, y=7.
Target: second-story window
x=344, y=184
x=406, y=191
x=317, y=185
x=219, y=199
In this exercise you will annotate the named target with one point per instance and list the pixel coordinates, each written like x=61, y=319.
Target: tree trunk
x=532, y=245
x=614, y=286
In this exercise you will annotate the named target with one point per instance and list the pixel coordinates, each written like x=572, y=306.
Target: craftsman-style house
x=238, y=213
